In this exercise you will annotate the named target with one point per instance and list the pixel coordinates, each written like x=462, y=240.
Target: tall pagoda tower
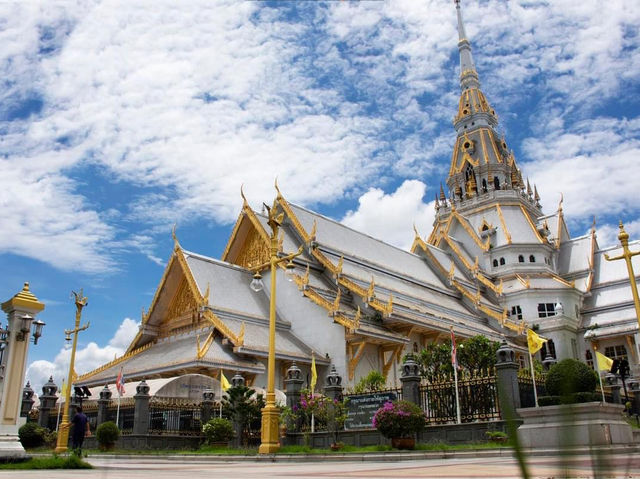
x=490, y=220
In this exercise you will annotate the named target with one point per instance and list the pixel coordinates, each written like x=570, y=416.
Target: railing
x=478, y=399
x=174, y=416
x=525, y=385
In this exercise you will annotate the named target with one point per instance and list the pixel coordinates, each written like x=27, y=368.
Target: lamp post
x=63, y=431
x=270, y=413
x=627, y=255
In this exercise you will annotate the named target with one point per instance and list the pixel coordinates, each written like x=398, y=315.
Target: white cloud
x=391, y=217
x=87, y=358
x=608, y=234
x=191, y=102
x=594, y=164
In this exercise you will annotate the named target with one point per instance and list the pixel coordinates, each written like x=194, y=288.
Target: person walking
x=80, y=424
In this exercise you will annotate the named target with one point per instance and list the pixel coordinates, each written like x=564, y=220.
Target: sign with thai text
x=362, y=407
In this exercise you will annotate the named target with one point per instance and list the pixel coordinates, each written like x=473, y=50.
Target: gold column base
x=270, y=428
x=63, y=438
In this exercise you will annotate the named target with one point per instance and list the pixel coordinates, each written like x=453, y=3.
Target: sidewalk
x=376, y=456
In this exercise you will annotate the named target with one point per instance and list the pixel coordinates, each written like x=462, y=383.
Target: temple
x=494, y=264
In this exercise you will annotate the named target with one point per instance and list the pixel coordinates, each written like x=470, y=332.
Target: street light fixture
x=270, y=413
x=63, y=431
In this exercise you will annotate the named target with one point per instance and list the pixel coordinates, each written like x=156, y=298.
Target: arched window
x=484, y=185
x=532, y=259
x=520, y=259
x=501, y=261
x=415, y=347
x=485, y=227
x=495, y=263
x=496, y=182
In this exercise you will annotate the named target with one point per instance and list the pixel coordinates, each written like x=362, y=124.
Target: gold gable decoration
x=183, y=302
x=255, y=251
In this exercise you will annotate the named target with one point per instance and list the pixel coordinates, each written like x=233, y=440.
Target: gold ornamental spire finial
x=245, y=203
x=277, y=188
x=176, y=243
x=623, y=236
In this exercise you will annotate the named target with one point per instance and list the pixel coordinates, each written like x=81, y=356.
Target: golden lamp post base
x=63, y=438
x=270, y=429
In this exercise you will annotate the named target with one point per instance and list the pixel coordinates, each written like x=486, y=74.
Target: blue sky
x=119, y=119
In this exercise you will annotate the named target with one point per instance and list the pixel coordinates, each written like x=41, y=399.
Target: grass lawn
x=227, y=451
x=53, y=462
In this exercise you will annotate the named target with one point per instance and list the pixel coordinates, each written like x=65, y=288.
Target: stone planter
x=592, y=423
x=403, y=442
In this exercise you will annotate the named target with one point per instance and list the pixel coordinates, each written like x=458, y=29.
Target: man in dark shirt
x=80, y=426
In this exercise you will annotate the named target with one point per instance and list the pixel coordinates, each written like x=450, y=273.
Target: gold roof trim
x=533, y=227
x=115, y=362
x=504, y=224
x=467, y=227
x=236, y=339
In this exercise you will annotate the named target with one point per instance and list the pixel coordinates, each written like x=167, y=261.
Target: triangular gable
x=177, y=298
x=248, y=245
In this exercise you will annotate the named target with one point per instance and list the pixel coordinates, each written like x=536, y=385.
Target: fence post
x=206, y=407
x=141, y=411
x=103, y=405
x=333, y=385
x=293, y=385
x=27, y=400
x=507, y=381
x=47, y=402
x=411, y=381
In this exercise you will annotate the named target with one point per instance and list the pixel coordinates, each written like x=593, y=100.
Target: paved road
x=579, y=466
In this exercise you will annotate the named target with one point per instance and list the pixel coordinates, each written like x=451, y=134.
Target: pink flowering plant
x=397, y=419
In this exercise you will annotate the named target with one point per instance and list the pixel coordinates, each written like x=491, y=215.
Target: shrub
x=399, y=419
x=570, y=376
x=218, y=430
x=574, y=398
x=496, y=436
x=107, y=434
x=374, y=381
x=31, y=435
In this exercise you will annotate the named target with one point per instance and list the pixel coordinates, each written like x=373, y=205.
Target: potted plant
x=399, y=421
x=107, y=434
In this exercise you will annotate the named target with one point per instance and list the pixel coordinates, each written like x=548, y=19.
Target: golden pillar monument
x=627, y=254
x=21, y=310
x=63, y=430
x=269, y=442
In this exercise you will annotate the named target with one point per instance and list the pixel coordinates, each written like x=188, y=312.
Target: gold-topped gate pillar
x=21, y=310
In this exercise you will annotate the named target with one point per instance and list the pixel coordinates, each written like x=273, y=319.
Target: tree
x=477, y=353
x=244, y=410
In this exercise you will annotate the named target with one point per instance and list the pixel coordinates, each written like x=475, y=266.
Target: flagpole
x=601, y=387
x=118, y=411
x=454, y=363
x=455, y=378
x=533, y=377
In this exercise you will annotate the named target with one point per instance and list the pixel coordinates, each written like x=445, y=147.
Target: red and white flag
x=454, y=359
x=120, y=383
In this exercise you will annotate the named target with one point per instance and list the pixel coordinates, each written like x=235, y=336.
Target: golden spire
x=176, y=243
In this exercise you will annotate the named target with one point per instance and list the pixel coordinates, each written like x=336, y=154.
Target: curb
x=374, y=456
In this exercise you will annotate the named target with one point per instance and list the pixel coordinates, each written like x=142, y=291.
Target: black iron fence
x=525, y=385
x=175, y=416
x=478, y=397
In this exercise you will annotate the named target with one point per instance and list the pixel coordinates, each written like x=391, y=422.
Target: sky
x=119, y=119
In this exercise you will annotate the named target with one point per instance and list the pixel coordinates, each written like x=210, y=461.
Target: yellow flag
x=63, y=389
x=314, y=373
x=224, y=382
x=534, y=341
x=604, y=363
